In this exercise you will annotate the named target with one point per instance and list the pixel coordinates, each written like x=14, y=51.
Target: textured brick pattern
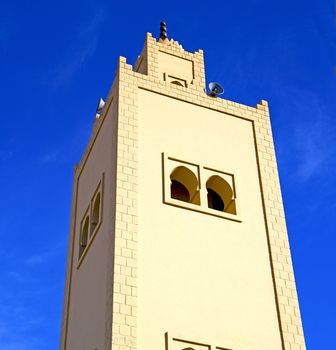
x=150, y=59
x=279, y=246
x=125, y=264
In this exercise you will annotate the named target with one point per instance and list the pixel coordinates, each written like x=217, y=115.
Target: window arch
x=220, y=195
x=95, y=213
x=84, y=236
x=184, y=185
x=176, y=82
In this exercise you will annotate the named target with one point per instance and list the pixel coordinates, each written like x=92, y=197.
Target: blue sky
x=58, y=58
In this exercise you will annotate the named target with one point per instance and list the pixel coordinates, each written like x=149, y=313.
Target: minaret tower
x=178, y=238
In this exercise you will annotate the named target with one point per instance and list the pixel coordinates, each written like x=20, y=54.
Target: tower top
x=163, y=30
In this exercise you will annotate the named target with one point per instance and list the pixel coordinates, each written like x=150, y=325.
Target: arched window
x=84, y=236
x=176, y=82
x=220, y=195
x=184, y=185
x=95, y=213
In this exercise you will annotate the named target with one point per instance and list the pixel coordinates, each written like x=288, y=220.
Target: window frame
x=177, y=341
x=98, y=190
x=92, y=233
x=203, y=173
x=195, y=196
x=170, y=79
x=83, y=221
x=230, y=179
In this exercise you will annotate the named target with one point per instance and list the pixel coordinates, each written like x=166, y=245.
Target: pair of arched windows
x=185, y=187
x=90, y=222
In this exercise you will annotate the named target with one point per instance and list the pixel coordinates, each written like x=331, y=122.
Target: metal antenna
x=163, y=30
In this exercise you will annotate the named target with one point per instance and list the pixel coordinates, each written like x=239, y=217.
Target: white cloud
x=84, y=45
x=23, y=343
x=45, y=255
x=37, y=259
x=50, y=157
x=308, y=145
x=314, y=153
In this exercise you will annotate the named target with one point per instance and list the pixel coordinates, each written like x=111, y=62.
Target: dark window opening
x=214, y=200
x=220, y=195
x=184, y=185
x=176, y=82
x=179, y=191
x=95, y=213
x=84, y=237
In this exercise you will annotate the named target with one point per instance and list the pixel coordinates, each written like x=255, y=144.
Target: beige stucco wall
x=165, y=269
x=176, y=67
x=89, y=313
x=201, y=277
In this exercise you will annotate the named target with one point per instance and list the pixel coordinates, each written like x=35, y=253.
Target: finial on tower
x=163, y=30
